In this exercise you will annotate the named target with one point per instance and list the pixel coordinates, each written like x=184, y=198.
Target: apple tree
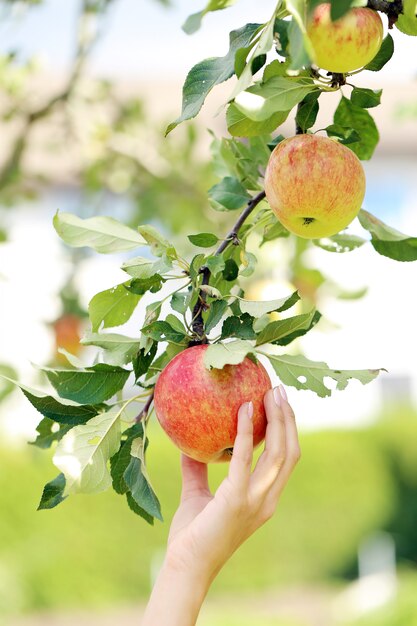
x=97, y=415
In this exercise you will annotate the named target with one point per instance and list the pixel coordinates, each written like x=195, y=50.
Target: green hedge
x=92, y=551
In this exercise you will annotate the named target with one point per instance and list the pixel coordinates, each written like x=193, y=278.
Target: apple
x=198, y=407
x=347, y=44
x=68, y=330
x=314, y=185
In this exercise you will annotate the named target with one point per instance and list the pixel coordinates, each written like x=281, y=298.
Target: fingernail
x=249, y=410
x=283, y=392
x=277, y=397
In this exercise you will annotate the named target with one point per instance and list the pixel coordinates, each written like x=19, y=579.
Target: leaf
x=257, y=309
x=7, y=376
x=276, y=332
x=112, y=307
x=388, y=241
x=82, y=455
x=163, y=331
x=138, y=510
x=340, y=243
x=249, y=262
x=180, y=301
x=138, y=482
x=348, y=114
x=209, y=73
x=119, y=349
x=228, y=195
x=300, y=48
x=275, y=231
x=203, y=240
x=276, y=94
x=210, y=291
x=218, y=355
x=120, y=461
x=92, y=385
x=407, y=23
x=345, y=134
x=139, y=286
x=140, y=267
x=240, y=327
x=339, y=8
x=215, y=263
x=143, y=360
x=308, y=110
x=239, y=125
x=230, y=271
x=53, y=493
x=103, y=234
x=366, y=98
x=216, y=311
x=383, y=56
x=193, y=22
x=291, y=370
x=160, y=246
x=47, y=433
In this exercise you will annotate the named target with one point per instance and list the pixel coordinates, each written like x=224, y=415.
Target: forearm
x=176, y=598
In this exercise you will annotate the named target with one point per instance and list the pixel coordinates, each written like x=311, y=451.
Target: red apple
x=314, y=185
x=198, y=407
x=347, y=44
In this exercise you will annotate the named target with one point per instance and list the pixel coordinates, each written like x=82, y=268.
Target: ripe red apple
x=314, y=185
x=347, y=44
x=198, y=407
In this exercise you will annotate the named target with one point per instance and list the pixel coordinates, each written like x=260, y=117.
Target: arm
x=207, y=530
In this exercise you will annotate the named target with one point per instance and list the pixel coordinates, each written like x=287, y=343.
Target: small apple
x=68, y=331
x=198, y=407
x=347, y=44
x=314, y=185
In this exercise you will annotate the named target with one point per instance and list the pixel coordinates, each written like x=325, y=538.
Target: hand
x=206, y=529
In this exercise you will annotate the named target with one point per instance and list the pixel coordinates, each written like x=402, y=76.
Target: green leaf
x=203, y=240
x=216, y=311
x=383, y=56
x=257, y=309
x=248, y=261
x=163, y=331
x=308, y=110
x=140, y=267
x=230, y=271
x=215, y=263
x=209, y=73
x=388, y=241
x=366, y=98
x=345, y=134
x=139, y=286
x=180, y=301
x=299, y=48
x=48, y=434
x=7, y=377
x=92, y=385
x=160, y=246
x=218, y=355
x=339, y=8
x=240, y=327
x=276, y=94
x=53, y=493
x=407, y=23
x=112, y=307
x=83, y=453
x=228, y=195
x=239, y=125
x=353, y=116
x=142, y=361
x=276, y=332
x=137, y=480
x=61, y=412
x=273, y=232
x=120, y=461
x=103, y=234
x=340, y=243
x=138, y=510
x=290, y=369
x=119, y=349
x=211, y=291
x=193, y=22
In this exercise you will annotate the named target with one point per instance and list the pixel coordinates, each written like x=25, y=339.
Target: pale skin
x=207, y=529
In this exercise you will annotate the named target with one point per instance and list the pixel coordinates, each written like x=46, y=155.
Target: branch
x=232, y=237
x=144, y=412
x=393, y=9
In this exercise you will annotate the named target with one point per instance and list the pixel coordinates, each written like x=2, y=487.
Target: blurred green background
x=85, y=94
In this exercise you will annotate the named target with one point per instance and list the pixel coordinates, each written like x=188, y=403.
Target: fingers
x=194, y=478
x=241, y=462
x=282, y=449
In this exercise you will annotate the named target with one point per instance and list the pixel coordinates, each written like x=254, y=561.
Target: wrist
x=199, y=575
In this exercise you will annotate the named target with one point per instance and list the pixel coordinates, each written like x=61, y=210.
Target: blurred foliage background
x=101, y=149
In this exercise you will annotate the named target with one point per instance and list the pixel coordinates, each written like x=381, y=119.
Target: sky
x=144, y=40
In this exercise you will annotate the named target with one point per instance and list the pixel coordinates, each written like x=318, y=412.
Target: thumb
x=194, y=478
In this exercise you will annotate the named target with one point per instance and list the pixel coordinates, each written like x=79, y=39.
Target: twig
x=232, y=237
x=143, y=414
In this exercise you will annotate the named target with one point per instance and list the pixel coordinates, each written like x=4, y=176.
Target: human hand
x=206, y=529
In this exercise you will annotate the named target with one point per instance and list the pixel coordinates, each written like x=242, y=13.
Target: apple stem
x=143, y=414
x=231, y=237
x=393, y=9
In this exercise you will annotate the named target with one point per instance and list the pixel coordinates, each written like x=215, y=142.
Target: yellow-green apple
x=347, y=43
x=198, y=407
x=314, y=185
